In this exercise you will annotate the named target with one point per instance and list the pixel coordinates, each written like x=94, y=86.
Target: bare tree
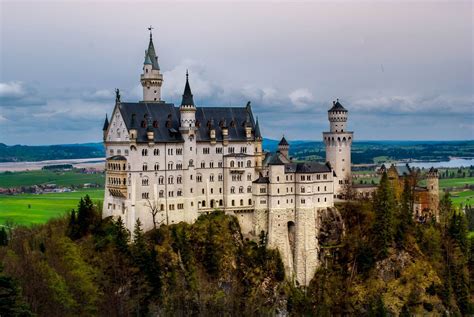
x=154, y=210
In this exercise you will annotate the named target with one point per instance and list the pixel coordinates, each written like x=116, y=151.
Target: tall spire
x=258, y=135
x=151, y=51
x=106, y=123
x=187, y=95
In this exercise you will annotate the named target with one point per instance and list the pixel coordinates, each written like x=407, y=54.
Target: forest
x=386, y=265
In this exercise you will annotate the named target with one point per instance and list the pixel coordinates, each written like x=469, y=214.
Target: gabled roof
x=336, y=106
x=275, y=159
x=166, y=121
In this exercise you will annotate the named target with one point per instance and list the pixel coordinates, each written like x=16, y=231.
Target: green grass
x=63, y=178
x=42, y=207
x=455, y=182
x=470, y=235
x=464, y=197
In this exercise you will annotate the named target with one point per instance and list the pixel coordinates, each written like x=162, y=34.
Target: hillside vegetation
x=386, y=265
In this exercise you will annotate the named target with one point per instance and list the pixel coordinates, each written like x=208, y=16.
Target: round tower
x=432, y=183
x=151, y=79
x=338, y=143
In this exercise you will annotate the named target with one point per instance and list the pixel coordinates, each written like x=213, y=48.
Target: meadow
x=39, y=177
x=29, y=209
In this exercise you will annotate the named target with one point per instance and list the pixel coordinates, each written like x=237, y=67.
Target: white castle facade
x=168, y=164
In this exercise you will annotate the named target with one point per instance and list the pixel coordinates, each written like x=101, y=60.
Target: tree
x=86, y=216
x=121, y=237
x=3, y=236
x=384, y=206
x=405, y=218
x=153, y=208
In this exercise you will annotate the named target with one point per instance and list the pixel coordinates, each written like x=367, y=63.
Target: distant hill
x=363, y=152
x=25, y=153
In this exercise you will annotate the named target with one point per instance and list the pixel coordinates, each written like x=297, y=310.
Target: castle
x=167, y=164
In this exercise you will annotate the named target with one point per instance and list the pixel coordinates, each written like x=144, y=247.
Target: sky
x=403, y=69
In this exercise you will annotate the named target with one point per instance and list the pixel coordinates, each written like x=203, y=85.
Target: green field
x=61, y=178
x=464, y=197
x=27, y=209
x=455, y=182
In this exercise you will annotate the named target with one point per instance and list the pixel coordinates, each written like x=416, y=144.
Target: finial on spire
x=117, y=95
x=187, y=74
x=149, y=29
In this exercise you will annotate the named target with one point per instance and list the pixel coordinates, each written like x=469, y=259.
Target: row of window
x=116, y=166
x=119, y=152
x=179, y=166
x=116, y=181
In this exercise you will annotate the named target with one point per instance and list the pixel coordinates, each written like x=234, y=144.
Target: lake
x=97, y=163
x=453, y=163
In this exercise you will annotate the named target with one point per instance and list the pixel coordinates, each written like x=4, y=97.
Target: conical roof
x=187, y=94
x=283, y=142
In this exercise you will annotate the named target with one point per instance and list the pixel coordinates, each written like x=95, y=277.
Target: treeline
x=387, y=265
x=24, y=153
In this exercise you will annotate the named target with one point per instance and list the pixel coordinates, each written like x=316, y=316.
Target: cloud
x=415, y=104
x=301, y=98
x=12, y=89
x=100, y=95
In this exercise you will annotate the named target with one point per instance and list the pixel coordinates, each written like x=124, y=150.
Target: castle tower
x=284, y=147
x=432, y=183
x=187, y=128
x=338, y=146
x=151, y=79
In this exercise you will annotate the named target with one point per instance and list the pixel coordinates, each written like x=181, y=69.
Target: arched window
x=232, y=190
x=250, y=202
x=161, y=180
x=241, y=202
x=179, y=180
x=191, y=163
x=162, y=194
x=157, y=166
x=241, y=189
x=170, y=180
x=232, y=163
x=145, y=167
x=249, y=189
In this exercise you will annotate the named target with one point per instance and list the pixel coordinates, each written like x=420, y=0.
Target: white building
x=180, y=162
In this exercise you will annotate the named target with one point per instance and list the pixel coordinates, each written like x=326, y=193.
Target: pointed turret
x=152, y=53
x=258, y=135
x=187, y=94
x=284, y=147
x=106, y=123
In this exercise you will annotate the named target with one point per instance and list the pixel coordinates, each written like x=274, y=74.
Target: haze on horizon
x=403, y=70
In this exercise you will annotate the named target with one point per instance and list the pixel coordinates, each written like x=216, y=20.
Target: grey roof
x=117, y=158
x=283, y=142
x=187, y=94
x=275, y=159
x=147, y=59
x=336, y=106
x=152, y=54
x=257, y=130
x=106, y=123
x=262, y=180
x=403, y=169
x=166, y=118
x=307, y=167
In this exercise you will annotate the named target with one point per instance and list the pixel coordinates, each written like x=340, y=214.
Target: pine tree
x=121, y=237
x=139, y=250
x=405, y=223
x=3, y=236
x=384, y=206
